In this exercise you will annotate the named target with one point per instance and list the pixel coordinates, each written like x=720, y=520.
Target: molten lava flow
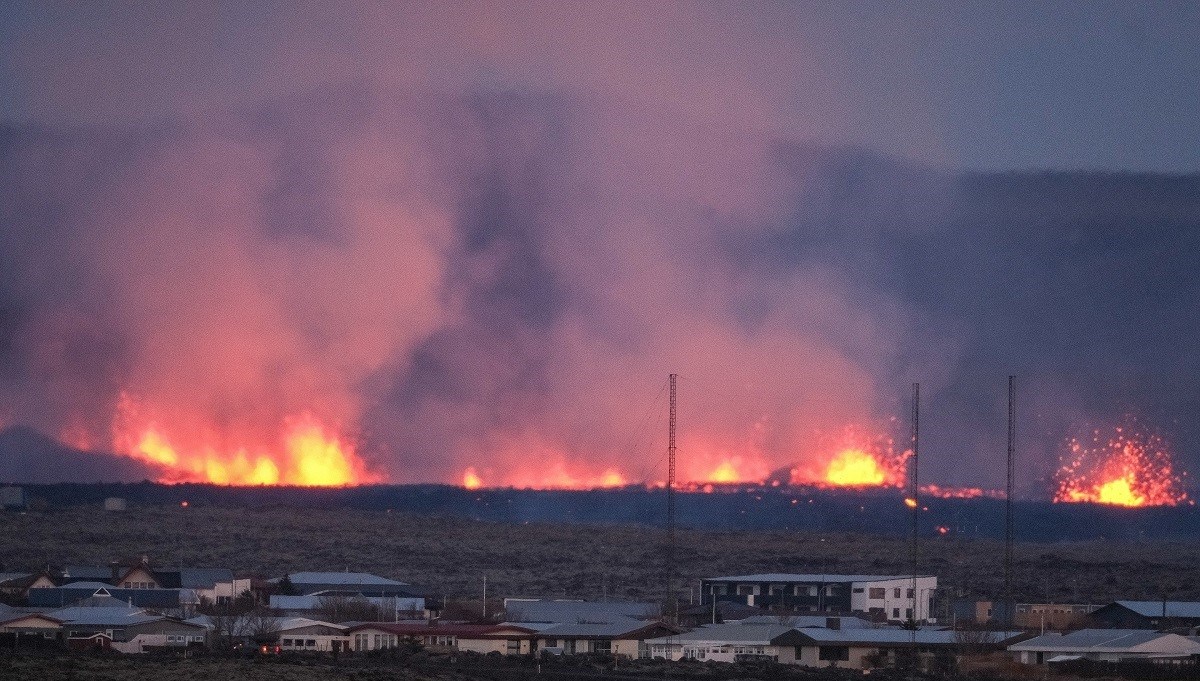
x=854, y=467
x=1126, y=468
x=305, y=453
x=960, y=492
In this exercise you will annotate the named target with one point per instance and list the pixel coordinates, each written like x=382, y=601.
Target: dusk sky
x=478, y=236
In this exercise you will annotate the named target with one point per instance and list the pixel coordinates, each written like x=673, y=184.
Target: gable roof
x=346, y=578
x=761, y=634
x=607, y=630
x=575, y=612
x=810, y=621
x=103, y=616
x=1111, y=641
x=893, y=636
x=8, y=618
x=290, y=623
x=1187, y=609
x=451, y=629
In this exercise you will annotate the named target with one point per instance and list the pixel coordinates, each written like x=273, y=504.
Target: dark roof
x=574, y=612
x=1182, y=609
x=62, y=596
x=631, y=629
x=459, y=630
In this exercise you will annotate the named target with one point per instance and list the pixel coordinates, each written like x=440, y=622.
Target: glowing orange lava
x=1125, y=468
x=724, y=473
x=471, y=479
x=854, y=458
x=305, y=453
x=854, y=467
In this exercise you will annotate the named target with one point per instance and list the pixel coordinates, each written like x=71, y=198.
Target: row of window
x=140, y=585
x=877, y=593
x=777, y=590
x=299, y=642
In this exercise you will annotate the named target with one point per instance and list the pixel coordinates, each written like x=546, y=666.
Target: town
x=138, y=607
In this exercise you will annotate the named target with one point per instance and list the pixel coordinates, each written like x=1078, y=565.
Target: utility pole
x=485, y=598
x=671, y=604
x=1009, y=605
x=914, y=497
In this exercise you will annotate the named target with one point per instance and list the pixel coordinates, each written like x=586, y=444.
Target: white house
x=728, y=642
x=889, y=597
x=303, y=634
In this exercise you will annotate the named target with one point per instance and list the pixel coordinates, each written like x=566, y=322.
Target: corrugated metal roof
x=895, y=635
x=203, y=578
x=340, y=578
x=809, y=621
x=807, y=578
x=290, y=623
x=607, y=629
x=1100, y=640
x=571, y=612
x=1155, y=608
x=730, y=633
x=103, y=616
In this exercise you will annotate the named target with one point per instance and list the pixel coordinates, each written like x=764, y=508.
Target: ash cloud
x=473, y=246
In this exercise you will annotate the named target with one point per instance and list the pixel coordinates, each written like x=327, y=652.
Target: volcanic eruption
x=1123, y=466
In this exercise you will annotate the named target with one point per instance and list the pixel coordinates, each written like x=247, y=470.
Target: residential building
x=508, y=639
x=729, y=643
x=622, y=638
x=1052, y=616
x=1147, y=615
x=869, y=648
x=308, y=635
x=25, y=629
x=129, y=630
x=1108, y=645
x=887, y=597
x=306, y=583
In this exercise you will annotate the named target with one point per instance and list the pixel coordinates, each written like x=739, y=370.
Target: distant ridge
x=28, y=456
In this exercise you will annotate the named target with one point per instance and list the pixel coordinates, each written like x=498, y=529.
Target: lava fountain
x=1124, y=466
x=303, y=452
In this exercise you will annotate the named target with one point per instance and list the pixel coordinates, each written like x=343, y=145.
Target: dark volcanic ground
x=452, y=553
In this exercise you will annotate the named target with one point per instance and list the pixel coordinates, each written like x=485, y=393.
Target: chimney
x=115, y=569
x=833, y=623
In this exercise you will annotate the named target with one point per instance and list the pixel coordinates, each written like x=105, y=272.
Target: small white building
x=1107, y=645
x=308, y=635
x=728, y=643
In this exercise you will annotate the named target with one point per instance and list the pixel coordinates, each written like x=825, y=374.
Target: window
x=858, y=589
x=745, y=589
x=310, y=642
x=602, y=647
x=833, y=653
x=909, y=593
x=831, y=590
x=286, y=642
x=812, y=591
x=896, y=592
x=776, y=589
x=877, y=593
x=908, y=613
x=895, y=613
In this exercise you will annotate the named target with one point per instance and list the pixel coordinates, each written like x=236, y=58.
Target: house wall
x=144, y=642
x=138, y=578
x=895, y=601
x=297, y=640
